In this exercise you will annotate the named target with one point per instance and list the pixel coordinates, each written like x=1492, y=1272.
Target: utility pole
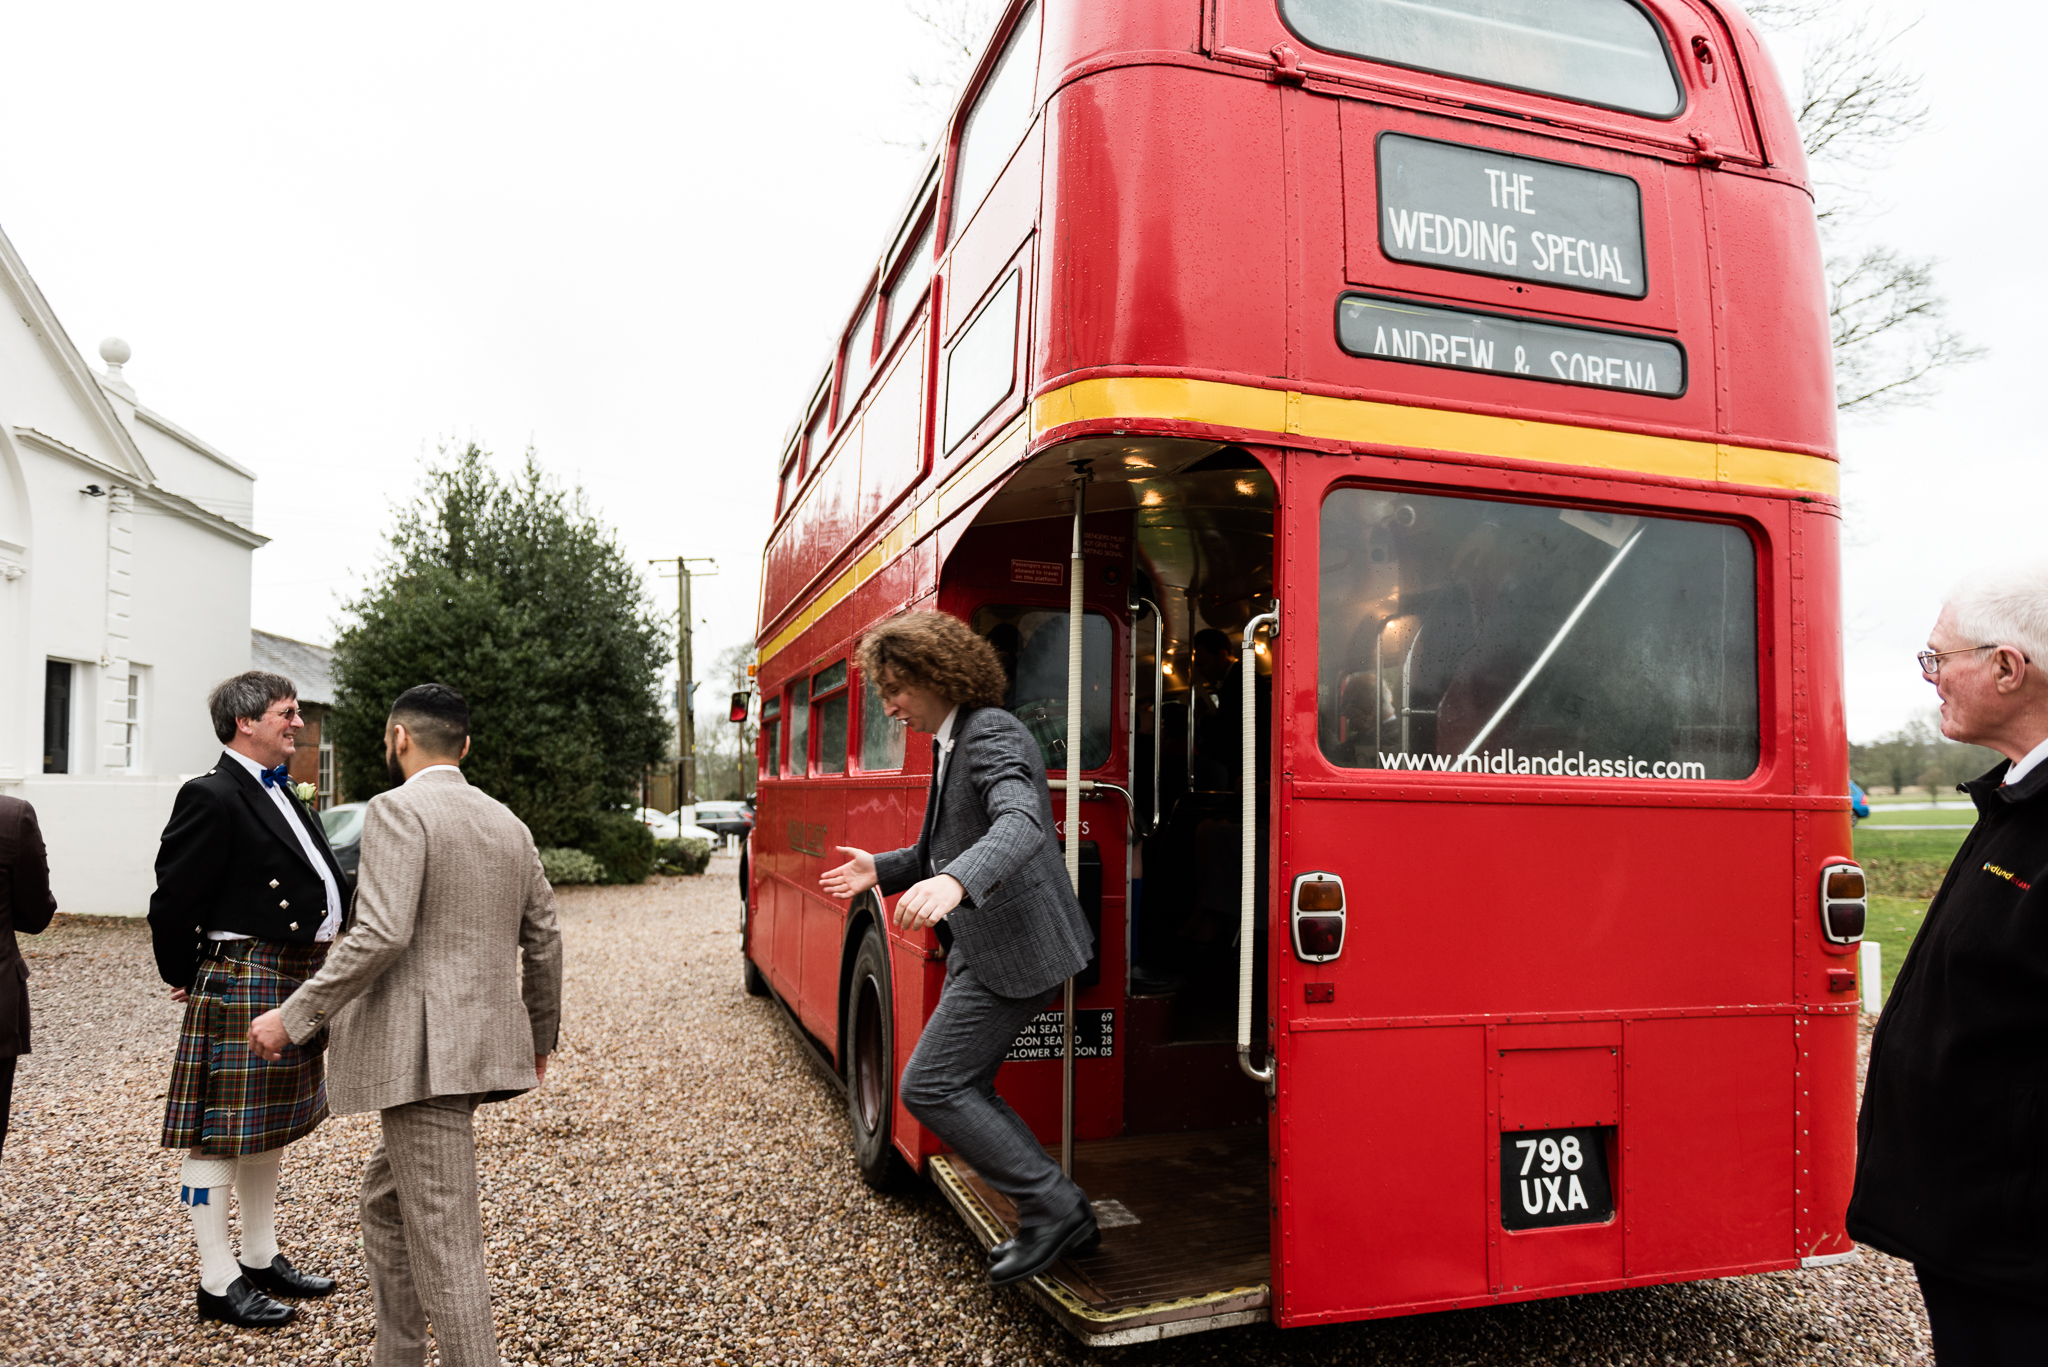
x=686, y=711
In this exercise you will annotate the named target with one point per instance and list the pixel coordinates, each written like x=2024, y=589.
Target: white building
x=125, y=548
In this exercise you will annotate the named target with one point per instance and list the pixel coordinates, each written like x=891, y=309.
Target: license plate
x=1554, y=1177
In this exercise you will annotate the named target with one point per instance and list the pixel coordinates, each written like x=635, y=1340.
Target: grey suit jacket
x=449, y=978
x=990, y=826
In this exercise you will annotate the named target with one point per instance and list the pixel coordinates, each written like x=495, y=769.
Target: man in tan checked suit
x=444, y=993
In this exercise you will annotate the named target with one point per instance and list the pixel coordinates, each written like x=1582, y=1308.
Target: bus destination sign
x=1394, y=330
x=1472, y=209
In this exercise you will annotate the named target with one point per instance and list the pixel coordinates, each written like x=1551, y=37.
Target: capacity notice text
x=1094, y=1036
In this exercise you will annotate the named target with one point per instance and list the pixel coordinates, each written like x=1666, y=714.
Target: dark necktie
x=275, y=778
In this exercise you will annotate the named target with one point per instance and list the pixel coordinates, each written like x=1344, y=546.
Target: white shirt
x=944, y=739
x=2026, y=765
x=944, y=736
x=332, y=922
x=430, y=769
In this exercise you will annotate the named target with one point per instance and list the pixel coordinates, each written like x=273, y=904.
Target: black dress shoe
x=997, y=1252
x=282, y=1279
x=1038, y=1247
x=243, y=1305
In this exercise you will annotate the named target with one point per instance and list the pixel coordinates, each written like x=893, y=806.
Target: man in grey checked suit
x=444, y=993
x=986, y=864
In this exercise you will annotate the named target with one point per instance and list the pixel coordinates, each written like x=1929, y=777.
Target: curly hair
x=937, y=651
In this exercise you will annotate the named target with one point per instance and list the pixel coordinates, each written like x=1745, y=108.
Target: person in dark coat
x=986, y=864
x=25, y=906
x=248, y=899
x=1952, y=1142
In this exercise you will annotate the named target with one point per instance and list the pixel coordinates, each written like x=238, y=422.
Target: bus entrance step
x=1184, y=1235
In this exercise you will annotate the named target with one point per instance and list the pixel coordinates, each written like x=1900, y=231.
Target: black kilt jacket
x=26, y=906
x=1952, y=1141
x=230, y=862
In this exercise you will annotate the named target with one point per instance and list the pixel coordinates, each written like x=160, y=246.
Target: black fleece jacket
x=1952, y=1142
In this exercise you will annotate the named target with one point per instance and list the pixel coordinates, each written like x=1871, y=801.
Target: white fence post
x=1870, y=958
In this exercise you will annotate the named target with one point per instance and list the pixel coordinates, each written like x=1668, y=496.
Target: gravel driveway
x=681, y=1191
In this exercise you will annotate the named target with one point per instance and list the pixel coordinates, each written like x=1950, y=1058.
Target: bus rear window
x=1602, y=52
x=1469, y=636
x=1032, y=644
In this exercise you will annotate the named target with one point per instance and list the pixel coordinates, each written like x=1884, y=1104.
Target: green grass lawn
x=1894, y=920
x=1875, y=842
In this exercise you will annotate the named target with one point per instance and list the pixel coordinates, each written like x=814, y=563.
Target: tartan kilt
x=224, y=1100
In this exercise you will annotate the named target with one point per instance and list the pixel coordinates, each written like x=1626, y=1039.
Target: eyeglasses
x=1930, y=660
x=288, y=714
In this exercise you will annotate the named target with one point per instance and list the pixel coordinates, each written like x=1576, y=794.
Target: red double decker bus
x=1422, y=411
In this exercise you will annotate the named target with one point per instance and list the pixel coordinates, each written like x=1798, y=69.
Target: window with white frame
x=326, y=774
x=57, y=680
x=131, y=741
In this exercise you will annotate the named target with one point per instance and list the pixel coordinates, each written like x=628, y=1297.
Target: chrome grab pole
x=1248, y=851
x=1076, y=575
x=1158, y=700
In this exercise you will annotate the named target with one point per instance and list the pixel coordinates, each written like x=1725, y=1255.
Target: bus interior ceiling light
x=1844, y=903
x=1318, y=917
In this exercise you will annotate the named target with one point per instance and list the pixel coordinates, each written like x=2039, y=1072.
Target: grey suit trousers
x=423, y=1236
x=950, y=1086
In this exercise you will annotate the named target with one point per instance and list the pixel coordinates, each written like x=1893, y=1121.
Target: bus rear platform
x=1185, y=1235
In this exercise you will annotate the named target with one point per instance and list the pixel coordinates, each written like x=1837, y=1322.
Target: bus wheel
x=750, y=976
x=870, y=1054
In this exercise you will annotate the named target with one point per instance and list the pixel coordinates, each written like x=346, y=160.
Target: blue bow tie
x=274, y=778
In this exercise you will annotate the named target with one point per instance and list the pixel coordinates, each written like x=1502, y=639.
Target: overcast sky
x=626, y=234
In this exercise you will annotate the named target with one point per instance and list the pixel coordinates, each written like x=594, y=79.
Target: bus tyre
x=870, y=1058
x=750, y=976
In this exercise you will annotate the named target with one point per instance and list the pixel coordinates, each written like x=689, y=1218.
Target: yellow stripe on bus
x=1216, y=404
x=1250, y=409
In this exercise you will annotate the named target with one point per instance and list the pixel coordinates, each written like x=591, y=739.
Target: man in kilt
x=248, y=899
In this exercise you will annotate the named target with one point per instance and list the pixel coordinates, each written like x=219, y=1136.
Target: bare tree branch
x=1857, y=103
x=1889, y=329
x=956, y=30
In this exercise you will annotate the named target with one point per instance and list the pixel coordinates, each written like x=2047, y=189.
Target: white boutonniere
x=306, y=792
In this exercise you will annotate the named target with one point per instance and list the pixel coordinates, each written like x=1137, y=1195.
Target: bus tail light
x=1318, y=917
x=1844, y=903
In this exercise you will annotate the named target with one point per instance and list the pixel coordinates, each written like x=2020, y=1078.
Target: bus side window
x=881, y=735
x=799, y=712
x=829, y=698
x=771, y=732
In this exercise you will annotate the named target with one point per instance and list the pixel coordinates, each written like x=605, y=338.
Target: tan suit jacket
x=448, y=979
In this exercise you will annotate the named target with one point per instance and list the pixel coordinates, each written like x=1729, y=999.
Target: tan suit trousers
x=423, y=1236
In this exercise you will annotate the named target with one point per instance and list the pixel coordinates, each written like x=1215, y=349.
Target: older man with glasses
x=1952, y=1144
x=248, y=899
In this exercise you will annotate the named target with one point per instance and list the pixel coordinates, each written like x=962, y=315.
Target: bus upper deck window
x=998, y=121
x=913, y=273
x=1601, y=52
x=1473, y=636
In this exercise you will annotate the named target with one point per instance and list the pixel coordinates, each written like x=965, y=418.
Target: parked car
x=344, y=827
x=726, y=818
x=672, y=826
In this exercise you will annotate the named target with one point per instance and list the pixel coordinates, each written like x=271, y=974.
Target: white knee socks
x=203, y=1190
x=256, y=1190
